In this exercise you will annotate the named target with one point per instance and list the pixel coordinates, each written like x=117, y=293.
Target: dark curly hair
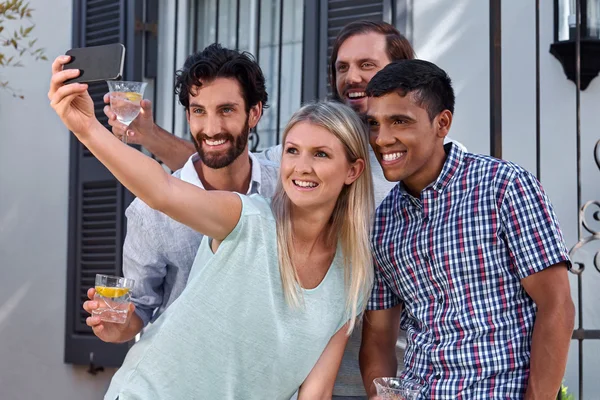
x=216, y=61
x=431, y=86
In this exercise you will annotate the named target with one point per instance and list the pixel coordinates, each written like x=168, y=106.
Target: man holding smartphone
x=223, y=93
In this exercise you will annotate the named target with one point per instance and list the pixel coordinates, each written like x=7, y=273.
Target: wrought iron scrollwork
x=589, y=215
x=253, y=140
x=587, y=211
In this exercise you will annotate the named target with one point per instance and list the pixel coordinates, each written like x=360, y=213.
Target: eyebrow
x=392, y=117
x=361, y=60
x=230, y=104
x=314, y=148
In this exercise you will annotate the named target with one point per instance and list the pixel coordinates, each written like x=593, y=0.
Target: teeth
x=356, y=95
x=305, y=184
x=392, y=156
x=214, y=142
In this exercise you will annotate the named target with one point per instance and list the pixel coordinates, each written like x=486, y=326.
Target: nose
x=303, y=164
x=213, y=125
x=384, y=137
x=353, y=75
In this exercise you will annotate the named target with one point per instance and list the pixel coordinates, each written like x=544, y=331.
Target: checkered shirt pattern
x=454, y=259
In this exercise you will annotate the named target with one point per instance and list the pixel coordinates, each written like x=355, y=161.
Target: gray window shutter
x=97, y=201
x=328, y=17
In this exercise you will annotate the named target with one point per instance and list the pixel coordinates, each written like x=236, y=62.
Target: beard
x=217, y=160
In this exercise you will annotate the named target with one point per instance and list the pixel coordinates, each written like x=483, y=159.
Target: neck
x=310, y=227
x=235, y=177
x=420, y=180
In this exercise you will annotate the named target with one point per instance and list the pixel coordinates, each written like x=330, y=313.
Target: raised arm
x=170, y=149
x=213, y=213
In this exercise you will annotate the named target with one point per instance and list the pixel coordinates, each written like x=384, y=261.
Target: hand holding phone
x=97, y=63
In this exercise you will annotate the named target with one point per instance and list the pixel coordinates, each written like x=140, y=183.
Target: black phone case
x=97, y=63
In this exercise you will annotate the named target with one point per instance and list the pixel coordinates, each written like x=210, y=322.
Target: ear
x=187, y=115
x=356, y=169
x=443, y=122
x=254, y=115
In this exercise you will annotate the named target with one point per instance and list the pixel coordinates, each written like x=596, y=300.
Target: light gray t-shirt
x=231, y=334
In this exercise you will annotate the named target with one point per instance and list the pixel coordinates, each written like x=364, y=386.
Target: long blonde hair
x=352, y=214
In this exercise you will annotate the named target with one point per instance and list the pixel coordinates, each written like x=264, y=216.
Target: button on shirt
x=158, y=251
x=454, y=259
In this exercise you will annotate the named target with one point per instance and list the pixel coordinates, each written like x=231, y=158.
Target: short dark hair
x=430, y=84
x=397, y=46
x=216, y=61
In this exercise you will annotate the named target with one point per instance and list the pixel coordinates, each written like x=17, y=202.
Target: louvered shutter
x=96, y=200
x=326, y=18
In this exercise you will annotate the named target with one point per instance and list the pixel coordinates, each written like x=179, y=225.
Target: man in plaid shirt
x=469, y=256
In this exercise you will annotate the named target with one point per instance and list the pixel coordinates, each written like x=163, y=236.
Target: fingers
x=66, y=94
x=106, y=98
x=90, y=305
x=146, y=106
x=96, y=324
x=110, y=114
x=91, y=293
x=59, y=76
x=93, y=321
x=58, y=63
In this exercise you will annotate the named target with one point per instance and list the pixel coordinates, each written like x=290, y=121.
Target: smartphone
x=97, y=63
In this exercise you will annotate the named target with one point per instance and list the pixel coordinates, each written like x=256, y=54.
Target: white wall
x=455, y=35
x=34, y=162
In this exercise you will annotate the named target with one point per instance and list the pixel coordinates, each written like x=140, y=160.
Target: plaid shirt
x=455, y=258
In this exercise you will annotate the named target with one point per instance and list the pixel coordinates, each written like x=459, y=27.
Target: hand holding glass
x=113, y=295
x=397, y=389
x=125, y=99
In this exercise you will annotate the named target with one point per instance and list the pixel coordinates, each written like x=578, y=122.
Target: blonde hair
x=352, y=214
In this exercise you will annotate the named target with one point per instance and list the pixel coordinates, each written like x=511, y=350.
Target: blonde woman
x=276, y=286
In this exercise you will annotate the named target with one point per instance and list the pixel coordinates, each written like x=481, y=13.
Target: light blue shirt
x=231, y=334
x=158, y=252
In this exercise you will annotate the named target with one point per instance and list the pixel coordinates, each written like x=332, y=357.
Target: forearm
x=142, y=175
x=376, y=360
x=170, y=149
x=549, y=349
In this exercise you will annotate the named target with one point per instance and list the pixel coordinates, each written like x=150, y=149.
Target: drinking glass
x=397, y=389
x=125, y=99
x=113, y=295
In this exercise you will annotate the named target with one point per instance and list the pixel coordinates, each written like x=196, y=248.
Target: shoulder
x=256, y=205
x=492, y=168
x=269, y=169
x=269, y=176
